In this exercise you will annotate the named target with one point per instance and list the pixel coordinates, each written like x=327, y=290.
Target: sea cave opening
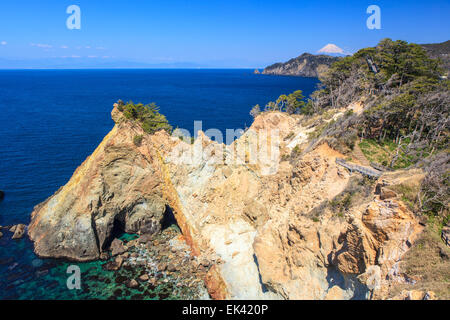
x=168, y=219
x=117, y=231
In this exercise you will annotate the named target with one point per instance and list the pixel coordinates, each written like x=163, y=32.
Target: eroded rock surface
x=251, y=222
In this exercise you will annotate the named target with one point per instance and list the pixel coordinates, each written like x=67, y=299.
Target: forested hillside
x=405, y=118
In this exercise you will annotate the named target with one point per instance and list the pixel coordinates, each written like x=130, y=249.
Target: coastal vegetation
x=406, y=101
x=148, y=116
x=291, y=104
x=428, y=261
x=390, y=105
x=405, y=118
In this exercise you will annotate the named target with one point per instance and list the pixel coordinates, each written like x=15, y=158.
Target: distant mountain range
x=306, y=65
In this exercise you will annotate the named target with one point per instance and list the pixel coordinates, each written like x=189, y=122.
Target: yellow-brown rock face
x=116, y=187
x=384, y=233
x=251, y=219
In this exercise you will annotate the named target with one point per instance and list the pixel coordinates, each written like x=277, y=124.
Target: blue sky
x=214, y=33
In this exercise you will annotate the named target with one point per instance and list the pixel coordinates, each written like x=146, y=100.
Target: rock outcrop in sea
x=306, y=65
x=263, y=227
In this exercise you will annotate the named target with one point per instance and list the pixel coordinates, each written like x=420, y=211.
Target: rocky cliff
x=115, y=188
x=306, y=65
x=263, y=225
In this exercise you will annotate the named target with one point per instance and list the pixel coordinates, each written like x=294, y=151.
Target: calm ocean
x=51, y=120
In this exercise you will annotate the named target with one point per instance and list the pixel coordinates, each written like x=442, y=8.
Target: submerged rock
x=114, y=265
x=144, y=277
x=132, y=284
x=2, y=195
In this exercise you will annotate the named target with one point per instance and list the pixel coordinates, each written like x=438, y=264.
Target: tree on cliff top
x=287, y=103
x=148, y=116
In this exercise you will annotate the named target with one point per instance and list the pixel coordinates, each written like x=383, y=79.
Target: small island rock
x=19, y=231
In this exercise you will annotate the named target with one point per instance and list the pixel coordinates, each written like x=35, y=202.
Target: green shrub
x=341, y=203
x=308, y=109
x=296, y=151
x=292, y=104
x=148, y=117
x=120, y=105
x=137, y=140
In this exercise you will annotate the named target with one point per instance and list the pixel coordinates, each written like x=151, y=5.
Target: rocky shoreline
x=163, y=260
x=159, y=267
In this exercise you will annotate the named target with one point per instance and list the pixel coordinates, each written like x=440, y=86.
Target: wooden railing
x=368, y=171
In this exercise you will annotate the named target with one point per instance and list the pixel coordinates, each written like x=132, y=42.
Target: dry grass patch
x=408, y=195
x=429, y=262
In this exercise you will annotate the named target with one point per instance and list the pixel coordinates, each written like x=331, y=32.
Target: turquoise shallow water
x=51, y=120
x=28, y=277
